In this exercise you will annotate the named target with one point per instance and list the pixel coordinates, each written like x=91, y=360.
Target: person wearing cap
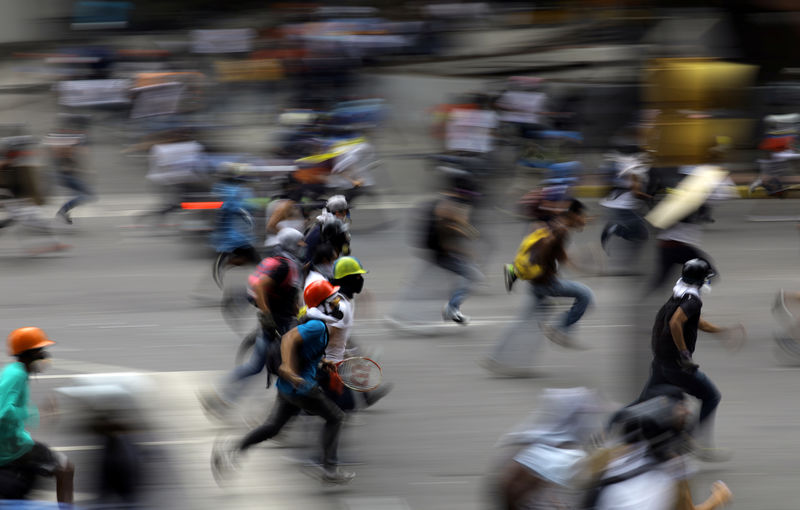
x=302, y=349
x=20, y=455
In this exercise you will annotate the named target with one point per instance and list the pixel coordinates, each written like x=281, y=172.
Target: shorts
x=41, y=460
x=17, y=477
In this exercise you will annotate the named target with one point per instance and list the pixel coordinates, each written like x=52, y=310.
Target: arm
x=9, y=410
x=676, y=328
x=280, y=214
x=706, y=326
x=290, y=343
x=337, y=343
x=261, y=289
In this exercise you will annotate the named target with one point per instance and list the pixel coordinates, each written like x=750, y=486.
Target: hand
x=686, y=362
x=328, y=365
x=721, y=493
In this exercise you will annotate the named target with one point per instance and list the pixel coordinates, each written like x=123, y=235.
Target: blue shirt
x=315, y=339
x=14, y=411
x=232, y=229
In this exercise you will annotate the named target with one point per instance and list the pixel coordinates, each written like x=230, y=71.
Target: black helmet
x=696, y=272
x=336, y=232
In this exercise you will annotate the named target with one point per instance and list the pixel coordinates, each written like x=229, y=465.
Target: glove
x=686, y=362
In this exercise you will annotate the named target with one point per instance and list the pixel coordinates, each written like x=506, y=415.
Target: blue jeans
x=76, y=184
x=696, y=384
x=468, y=273
x=255, y=364
x=565, y=288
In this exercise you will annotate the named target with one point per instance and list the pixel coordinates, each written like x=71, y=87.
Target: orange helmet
x=25, y=339
x=317, y=292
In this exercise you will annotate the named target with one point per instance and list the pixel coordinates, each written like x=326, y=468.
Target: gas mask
x=41, y=363
x=331, y=307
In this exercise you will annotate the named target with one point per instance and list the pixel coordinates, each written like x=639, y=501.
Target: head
x=324, y=297
x=291, y=241
x=347, y=273
x=28, y=346
x=336, y=232
x=697, y=272
x=575, y=215
x=324, y=256
x=338, y=206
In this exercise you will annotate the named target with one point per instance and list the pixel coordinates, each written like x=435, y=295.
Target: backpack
x=526, y=261
x=426, y=236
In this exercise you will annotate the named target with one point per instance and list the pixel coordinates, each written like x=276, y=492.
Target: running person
x=542, y=252
x=332, y=226
x=22, y=458
x=302, y=349
x=273, y=288
x=673, y=343
x=348, y=275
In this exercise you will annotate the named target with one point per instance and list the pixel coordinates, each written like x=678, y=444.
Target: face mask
x=358, y=285
x=332, y=309
x=705, y=289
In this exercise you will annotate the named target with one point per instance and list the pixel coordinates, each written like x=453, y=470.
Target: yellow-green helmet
x=345, y=266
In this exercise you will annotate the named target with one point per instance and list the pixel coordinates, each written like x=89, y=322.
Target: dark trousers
x=696, y=384
x=288, y=406
x=671, y=253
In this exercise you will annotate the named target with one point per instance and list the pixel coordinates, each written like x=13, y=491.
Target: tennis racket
x=359, y=374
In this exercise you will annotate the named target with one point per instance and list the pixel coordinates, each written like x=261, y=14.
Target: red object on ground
x=200, y=205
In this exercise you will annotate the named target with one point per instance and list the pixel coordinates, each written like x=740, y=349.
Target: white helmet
x=289, y=239
x=336, y=203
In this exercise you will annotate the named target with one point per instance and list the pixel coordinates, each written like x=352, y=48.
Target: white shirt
x=340, y=332
x=312, y=277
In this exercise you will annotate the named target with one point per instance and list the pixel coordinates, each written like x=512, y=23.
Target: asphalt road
x=123, y=301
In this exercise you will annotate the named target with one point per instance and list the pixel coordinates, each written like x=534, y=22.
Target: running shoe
x=454, y=314
x=509, y=276
x=224, y=460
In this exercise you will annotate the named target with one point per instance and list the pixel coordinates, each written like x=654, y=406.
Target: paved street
x=120, y=301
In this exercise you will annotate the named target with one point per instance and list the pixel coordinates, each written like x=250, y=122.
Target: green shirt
x=14, y=439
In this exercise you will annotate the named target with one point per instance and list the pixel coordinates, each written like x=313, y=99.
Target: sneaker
x=328, y=475
x=64, y=215
x=224, y=460
x=213, y=406
x=558, y=336
x=454, y=314
x=509, y=276
x=497, y=368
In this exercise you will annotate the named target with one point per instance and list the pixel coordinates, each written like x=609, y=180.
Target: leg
x=517, y=485
x=468, y=274
x=251, y=367
x=281, y=413
x=64, y=483
x=583, y=298
x=318, y=404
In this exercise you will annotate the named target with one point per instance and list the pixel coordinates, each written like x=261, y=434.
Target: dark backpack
x=426, y=236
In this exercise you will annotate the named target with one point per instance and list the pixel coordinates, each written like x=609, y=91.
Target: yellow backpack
x=524, y=266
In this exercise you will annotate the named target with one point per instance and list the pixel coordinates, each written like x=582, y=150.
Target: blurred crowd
x=701, y=121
